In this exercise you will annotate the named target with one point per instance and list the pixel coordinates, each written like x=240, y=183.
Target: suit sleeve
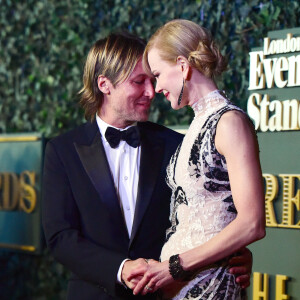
x=61, y=223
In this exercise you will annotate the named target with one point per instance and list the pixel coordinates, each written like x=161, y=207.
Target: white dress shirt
x=124, y=164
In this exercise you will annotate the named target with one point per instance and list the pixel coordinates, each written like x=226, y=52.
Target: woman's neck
x=199, y=86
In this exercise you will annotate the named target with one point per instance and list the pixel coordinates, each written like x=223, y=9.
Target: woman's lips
x=167, y=95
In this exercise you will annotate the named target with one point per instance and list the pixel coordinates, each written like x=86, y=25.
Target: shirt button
x=124, y=150
x=125, y=177
x=127, y=207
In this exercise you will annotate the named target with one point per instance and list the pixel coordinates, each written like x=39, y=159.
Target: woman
x=217, y=204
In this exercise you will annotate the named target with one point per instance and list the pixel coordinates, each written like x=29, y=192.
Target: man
x=106, y=203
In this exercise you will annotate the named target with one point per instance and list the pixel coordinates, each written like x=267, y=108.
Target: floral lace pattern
x=201, y=202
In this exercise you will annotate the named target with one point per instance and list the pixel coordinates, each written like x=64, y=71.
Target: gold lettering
x=281, y=66
x=264, y=117
x=266, y=46
x=290, y=117
x=260, y=287
x=256, y=74
x=28, y=193
x=280, y=287
x=10, y=191
x=275, y=121
x=17, y=193
x=253, y=110
x=271, y=185
x=270, y=70
x=289, y=200
x=275, y=115
x=294, y=65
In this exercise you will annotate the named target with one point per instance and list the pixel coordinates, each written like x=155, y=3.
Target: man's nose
x=149, y=90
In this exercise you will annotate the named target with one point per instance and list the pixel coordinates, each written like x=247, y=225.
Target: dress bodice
x=201, y=202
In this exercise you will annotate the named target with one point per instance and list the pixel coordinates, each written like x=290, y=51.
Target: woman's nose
x=157, y=88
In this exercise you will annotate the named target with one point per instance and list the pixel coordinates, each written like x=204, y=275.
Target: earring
x=181, y=93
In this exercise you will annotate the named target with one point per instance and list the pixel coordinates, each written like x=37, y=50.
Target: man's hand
x=156, y=277
x=241, y=266
x=138, y=266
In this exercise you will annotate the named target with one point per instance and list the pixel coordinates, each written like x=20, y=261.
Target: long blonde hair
x=188, y=39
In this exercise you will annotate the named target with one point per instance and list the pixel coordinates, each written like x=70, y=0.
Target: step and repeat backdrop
x=274, y=107
x=20, y=192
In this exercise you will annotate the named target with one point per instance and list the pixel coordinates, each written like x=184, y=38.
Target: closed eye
x=139, y=81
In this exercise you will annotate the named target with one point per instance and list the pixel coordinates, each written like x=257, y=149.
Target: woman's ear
x=183, y=63
x=104, y=84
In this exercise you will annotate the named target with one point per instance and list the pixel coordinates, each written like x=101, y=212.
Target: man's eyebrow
x=141, y=75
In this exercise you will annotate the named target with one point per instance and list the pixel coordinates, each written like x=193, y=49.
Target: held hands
x=156, y=277
x=138, y=267
x=147, y=276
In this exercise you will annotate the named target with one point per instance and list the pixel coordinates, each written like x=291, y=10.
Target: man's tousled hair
x=114, y=57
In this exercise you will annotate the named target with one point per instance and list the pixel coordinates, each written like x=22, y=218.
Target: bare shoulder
x=234, y=122
x=234, y=119
x=234, y=128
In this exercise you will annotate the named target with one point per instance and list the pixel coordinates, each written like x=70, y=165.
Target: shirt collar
x=103, y=126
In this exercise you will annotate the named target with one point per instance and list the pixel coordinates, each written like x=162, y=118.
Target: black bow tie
x=130, y=135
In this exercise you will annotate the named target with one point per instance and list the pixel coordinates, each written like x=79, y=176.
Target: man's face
x=130, y=100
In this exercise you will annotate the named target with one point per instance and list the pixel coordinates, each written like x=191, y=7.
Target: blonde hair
x=114, y=57
x=188, y=39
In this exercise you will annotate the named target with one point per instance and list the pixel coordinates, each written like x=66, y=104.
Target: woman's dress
x=201, y=203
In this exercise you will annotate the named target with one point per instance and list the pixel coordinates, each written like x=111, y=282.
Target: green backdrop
x=278, y=252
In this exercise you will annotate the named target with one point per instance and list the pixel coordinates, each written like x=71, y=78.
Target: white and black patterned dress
x=201, y=203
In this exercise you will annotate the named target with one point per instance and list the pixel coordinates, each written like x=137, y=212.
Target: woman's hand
x=156, y=277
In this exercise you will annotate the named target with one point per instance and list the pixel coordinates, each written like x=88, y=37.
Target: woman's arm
x=236, y=140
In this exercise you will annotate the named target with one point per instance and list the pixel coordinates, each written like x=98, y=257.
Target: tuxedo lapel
x=152, y=151
x=93, y=158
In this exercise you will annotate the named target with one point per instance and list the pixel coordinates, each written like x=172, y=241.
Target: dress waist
x=205, y=274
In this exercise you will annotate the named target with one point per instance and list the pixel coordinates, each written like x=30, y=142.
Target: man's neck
x=118, y=123
x=115, y=123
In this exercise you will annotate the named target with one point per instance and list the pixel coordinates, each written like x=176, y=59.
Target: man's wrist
x=119, y=275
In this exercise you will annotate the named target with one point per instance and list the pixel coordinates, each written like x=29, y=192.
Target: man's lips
x=145, y=104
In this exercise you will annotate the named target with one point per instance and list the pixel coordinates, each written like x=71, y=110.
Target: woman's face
x=169, y=77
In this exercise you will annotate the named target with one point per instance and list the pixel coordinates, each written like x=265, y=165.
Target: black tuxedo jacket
x=83, y=223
